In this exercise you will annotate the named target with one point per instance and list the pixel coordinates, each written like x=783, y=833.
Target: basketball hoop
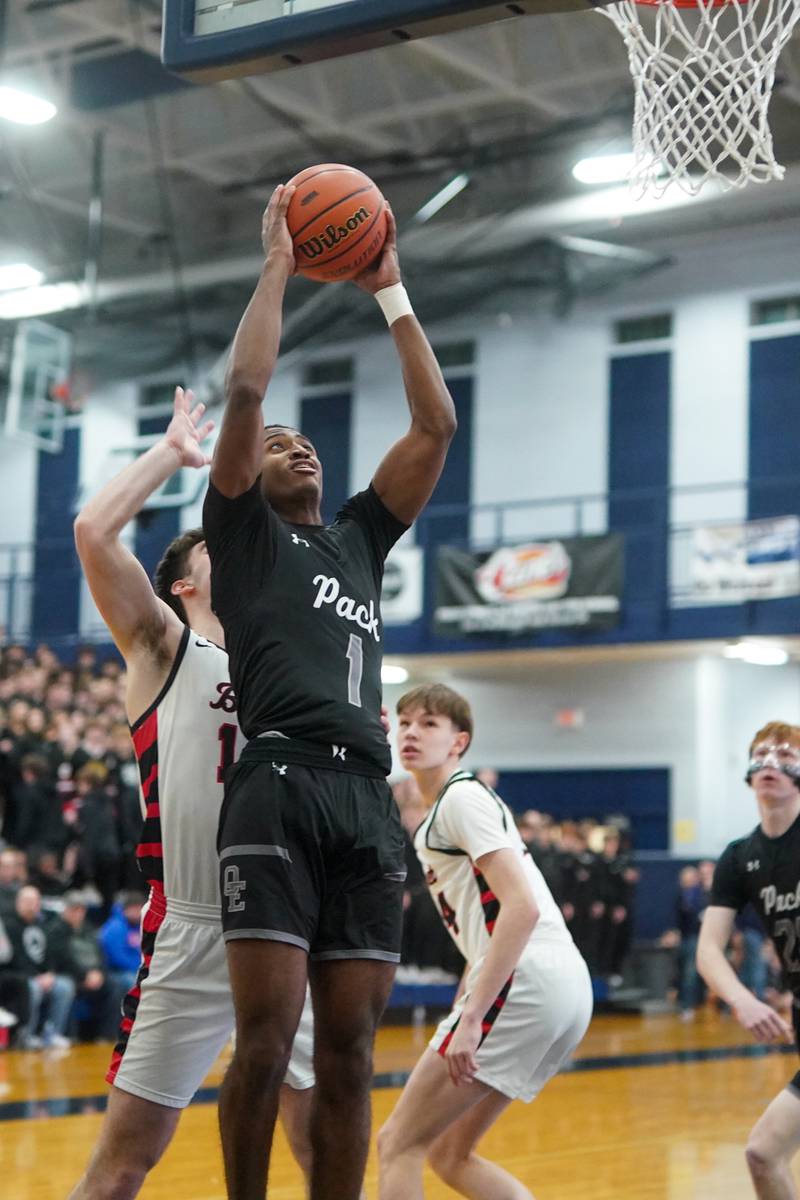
x=703, y=73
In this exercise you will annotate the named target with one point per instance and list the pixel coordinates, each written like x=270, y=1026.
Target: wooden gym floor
x=654, y=1109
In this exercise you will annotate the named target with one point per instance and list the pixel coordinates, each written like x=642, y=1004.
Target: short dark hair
x=440, y=701
x=172, y=566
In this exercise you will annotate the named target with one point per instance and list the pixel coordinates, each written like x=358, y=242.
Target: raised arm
x=118, y=582
x=239, y=451
x=756, y=1017
x=410, y=471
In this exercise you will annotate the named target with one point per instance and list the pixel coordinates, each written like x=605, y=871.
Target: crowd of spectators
x=70, y=891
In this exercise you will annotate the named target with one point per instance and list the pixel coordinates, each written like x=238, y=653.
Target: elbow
x=440, y=427
x=86, y=531
x=243, y=390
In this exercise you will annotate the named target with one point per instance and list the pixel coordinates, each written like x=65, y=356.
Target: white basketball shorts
x=179, y=1015
x=535, y=1024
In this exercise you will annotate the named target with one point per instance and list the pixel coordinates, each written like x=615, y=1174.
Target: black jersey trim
x=460, y=777
x=179, y=656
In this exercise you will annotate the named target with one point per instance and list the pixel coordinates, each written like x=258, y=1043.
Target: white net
x=703, y=76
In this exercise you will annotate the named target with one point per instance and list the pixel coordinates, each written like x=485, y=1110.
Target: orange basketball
x=337, y=219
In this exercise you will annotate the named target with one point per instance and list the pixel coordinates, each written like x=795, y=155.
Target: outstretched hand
x=384, y=270
x=275, y=237
x=185, y=433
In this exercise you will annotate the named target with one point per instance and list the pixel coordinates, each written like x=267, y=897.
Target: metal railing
x=658, y=525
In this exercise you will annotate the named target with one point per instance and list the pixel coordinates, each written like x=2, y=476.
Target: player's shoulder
x=198, y=642
x=368, y=510
x=464, y=788
x=737, y=852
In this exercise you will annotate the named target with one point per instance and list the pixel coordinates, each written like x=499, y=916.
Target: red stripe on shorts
x=151, y=923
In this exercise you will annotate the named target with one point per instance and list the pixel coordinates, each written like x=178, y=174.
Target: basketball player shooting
x=311, y=846
x=763, y=869
x=182, y=712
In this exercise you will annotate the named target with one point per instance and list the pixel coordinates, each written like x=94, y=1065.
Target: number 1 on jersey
x=355, y=656
x=226, y=736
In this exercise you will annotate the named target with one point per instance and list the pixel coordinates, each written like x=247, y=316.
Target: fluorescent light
x=759, y=654
x=19, y=275
x=447, y=193
x=607, y=168
x=23, y=108
x=392, y=674
x=604, y=168
x=38, y=301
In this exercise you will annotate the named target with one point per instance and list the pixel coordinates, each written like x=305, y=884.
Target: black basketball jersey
x=766, y=872
x=300, y=606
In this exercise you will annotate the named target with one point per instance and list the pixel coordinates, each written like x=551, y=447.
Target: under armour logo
x=339, y=752
x=232, y=887
x=279, y=767
x=754, y=865
x=227, y=699
x=298, y=541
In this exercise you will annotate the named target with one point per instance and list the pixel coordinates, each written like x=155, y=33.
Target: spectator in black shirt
x=51, y=994
x=98, y=828
x=75, y=951
x=617, y=882
x=300, y=606
x=37, y=808
x=13, y=876
x=763, y=869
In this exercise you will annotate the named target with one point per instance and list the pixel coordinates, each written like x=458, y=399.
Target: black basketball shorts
x=312, y=857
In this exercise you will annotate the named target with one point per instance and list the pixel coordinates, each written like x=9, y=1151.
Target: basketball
x=337, y=219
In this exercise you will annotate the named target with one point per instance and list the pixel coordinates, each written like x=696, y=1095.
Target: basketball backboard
x=40, y=361
x=206, y=40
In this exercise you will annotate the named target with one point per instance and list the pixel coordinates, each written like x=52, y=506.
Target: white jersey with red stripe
x=466, y=821
x=183, y=742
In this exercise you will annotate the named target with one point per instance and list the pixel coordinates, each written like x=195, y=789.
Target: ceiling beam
x=436, y=51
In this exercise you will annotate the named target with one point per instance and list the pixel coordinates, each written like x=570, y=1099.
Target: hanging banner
x=572, y=583
x=751, y=560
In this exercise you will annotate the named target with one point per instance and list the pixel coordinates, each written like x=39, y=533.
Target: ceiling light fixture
x=606, y=168
x=442, y=197
x=393, y=674
x=758, y=654
x=24, y=109
x=19, y=275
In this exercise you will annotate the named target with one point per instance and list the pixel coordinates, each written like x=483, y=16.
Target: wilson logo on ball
x=332, y=235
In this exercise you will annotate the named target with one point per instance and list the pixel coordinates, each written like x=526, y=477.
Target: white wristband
x=394, y=303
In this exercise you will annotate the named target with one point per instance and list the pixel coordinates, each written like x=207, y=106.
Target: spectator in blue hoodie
x=121, y=939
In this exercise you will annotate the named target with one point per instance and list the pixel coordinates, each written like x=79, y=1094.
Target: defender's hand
x=185, y=433
x=460, y=1054
x=275, y=236
x=384, y=270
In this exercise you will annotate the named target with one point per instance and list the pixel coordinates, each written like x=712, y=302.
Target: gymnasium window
x=454, y=356
x=776, y=311
x=328, y=372
x=652, y=328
